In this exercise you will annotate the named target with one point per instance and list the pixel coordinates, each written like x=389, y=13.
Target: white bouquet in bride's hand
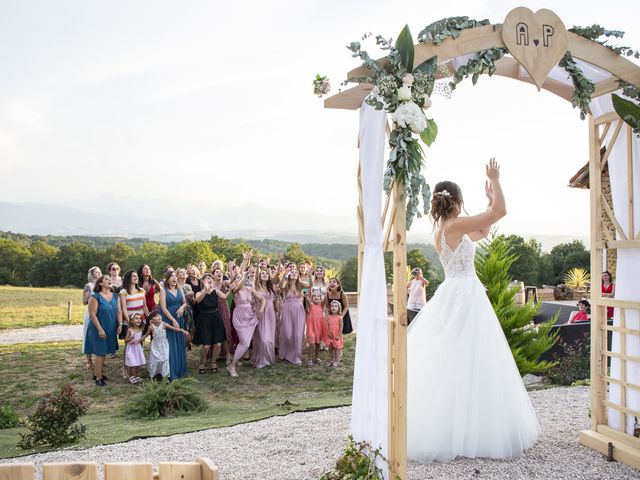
x=410, y=115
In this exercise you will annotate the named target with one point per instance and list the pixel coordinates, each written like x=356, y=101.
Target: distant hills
x=166, y=221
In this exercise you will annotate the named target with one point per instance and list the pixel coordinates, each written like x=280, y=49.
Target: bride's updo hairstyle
x=444, y=200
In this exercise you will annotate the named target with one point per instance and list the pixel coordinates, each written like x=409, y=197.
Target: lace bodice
x=458, y=263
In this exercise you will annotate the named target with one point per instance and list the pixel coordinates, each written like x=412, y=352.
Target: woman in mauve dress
x=293, y=319
x=245, y=318
x=264, y=336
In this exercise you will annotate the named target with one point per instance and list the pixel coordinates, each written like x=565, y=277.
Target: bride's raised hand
x=488, y=191
x=493, y=170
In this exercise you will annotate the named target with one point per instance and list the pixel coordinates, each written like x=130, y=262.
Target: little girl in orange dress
x=334, y=332
x=316, y=327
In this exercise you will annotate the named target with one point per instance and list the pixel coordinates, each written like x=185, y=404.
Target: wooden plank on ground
x=179, y=471
x=70, y=471
x=208, y=469
x=17, y=471
x=128, y=471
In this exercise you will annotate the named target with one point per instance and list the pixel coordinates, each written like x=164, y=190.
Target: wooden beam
x=621, y=451
x=604, y=58
x=350, y=99
x=613, y=302
x=610, y=214
x=606, y=118
x=611, y=144
x=603, y=135
x=620, y=382
x=619, y=436
x=621, y=244
x=623, y=367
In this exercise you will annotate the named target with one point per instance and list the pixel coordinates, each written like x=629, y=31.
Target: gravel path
x=56, y=333
x=301, y=445
x=51, y=333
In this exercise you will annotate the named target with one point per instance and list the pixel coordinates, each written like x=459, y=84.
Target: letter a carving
x=522, y=34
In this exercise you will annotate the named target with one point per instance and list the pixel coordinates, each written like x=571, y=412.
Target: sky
x=211, y=102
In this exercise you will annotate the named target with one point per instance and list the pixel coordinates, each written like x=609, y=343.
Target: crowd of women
x=254, y=311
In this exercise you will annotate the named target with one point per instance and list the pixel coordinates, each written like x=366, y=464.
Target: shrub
x=526, y=340
x=8, y=417
x=358, y=462
x=574, y=367
x=55, y=420
x=166, y=398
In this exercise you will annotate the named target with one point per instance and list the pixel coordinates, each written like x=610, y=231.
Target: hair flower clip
x=443, y=193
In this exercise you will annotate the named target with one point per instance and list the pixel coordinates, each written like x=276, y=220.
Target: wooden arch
x=616, y=443
x=482, y=38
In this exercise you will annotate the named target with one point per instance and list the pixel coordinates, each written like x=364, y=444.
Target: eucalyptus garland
x=483, y=62
x=448, y=27
x=583, y=87
x=596, y=32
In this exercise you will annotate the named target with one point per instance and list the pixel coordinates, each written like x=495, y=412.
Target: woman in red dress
x=150, y=286
x=608, y=290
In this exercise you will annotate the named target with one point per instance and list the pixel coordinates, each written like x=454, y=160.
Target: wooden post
x=398, y=342
x=69, y=311
x=597, y=313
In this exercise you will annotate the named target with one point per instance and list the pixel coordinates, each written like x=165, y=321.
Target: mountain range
x=162, y=220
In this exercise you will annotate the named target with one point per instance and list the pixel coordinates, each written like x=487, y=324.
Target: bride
x=465, y=394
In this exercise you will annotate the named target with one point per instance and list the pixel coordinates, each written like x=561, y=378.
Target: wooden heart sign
x=536, y=40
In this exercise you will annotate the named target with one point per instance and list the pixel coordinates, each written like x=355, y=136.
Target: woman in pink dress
x=293, y=319
x=264, y=336
x=245, y=318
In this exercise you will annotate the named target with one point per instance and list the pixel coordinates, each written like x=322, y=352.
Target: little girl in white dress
x=159, y=355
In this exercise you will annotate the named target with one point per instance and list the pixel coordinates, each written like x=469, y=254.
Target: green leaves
x=628, y=111
x=404, y=45
x=583, y=87
x=430, y=133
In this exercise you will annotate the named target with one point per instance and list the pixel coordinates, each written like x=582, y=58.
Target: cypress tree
x=527, y=341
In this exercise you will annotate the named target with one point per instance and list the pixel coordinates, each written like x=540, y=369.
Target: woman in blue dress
x=106, y=321
x=173, y=305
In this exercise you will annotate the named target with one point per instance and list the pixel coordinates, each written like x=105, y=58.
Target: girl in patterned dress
x=134, y=355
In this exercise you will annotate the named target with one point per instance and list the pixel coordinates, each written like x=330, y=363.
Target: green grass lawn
x=28, y=371
x=26, y=307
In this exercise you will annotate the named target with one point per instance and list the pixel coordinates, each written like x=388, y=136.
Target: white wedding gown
x=465, y=395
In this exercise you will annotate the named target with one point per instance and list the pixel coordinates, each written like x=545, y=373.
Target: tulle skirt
x=465, y=394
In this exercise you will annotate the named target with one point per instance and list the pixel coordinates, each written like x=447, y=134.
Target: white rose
x=410, y=115
x=407, y=79
x=404, y=93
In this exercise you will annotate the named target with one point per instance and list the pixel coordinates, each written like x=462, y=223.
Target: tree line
x=31, y=260
x=63, y=260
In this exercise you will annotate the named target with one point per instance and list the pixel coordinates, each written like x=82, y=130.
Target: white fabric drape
x=628, y=264
x=369, y=410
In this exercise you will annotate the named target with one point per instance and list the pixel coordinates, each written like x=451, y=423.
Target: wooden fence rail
x=201, y=469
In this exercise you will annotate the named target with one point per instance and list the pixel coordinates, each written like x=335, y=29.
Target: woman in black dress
x=209, y=327
x=334, y=292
